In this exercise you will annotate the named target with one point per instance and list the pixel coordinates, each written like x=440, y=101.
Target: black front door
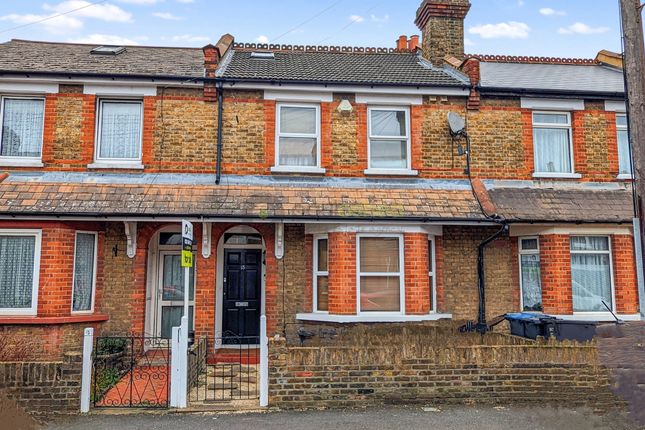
x=242, y=294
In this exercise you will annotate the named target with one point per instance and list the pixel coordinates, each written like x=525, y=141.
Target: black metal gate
x=131, y=372
x=224, y=369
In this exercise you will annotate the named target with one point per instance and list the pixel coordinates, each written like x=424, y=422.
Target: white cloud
x=262, y=39
x=510, y=30
x=384, y=18
x=356, y=18
x=103, y=39
x=54, y=24
x=582, y=28
x=186, y=1
x=189, y=38
x=547, y=11
x=104, y=12
x=520, y=3
x=168, y=16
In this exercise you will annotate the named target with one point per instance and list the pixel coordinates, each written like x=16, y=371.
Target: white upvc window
x=530, y=276
x=380, y=281
x=592, y=280
x=84, y=279
x=297, y=137
x=622, y=138
x=23, y=120
x=389, y=139
x=432, y=273
x=119, y=131
x=321, y=274
x=19, y=271
x=553, y=144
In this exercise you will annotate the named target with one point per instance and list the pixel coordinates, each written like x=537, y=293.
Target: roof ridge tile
x=530, y=59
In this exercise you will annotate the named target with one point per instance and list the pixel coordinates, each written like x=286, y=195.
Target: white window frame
x=36, y=274
x=569, y=126
x=316, y=273
x=522, y=251
x=16, y=160
x=277, y=167
x=432, y=271
x=609, y=251
x=360, y=274
x=625, y=129
x=97, y=138
x=95, y=257
x=389, y=171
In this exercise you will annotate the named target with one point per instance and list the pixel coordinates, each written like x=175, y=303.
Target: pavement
x=385, y=418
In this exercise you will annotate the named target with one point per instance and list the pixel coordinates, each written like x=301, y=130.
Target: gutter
x=559, y=93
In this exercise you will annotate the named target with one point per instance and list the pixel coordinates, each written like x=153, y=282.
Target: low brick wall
x=43, y=387
x=434, y=365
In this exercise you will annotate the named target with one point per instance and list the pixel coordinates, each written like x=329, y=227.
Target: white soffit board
x=615, y=106
x=120, y=90
x=552, y=104
x=298, y=96
x=389, y=99
x=26, y=87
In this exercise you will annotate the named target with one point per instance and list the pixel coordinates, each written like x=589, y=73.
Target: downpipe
x=220, y=110
x=482, y=325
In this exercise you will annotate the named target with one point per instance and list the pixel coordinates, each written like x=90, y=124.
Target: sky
x=561, y=28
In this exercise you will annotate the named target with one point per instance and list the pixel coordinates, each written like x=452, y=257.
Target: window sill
x=324, y=317
x=391, y=172
x=295, y=169
x=115, y=165
x=8, y=162
x=35, y=320
x=625, y=177
x=557, y=175
x=598, y=316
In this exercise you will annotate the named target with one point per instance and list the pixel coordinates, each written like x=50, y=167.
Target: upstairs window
x=22, y=127
x=591, y=277
x=297, y=135
x=624, y=159
x=380, y=273
x=530, y=278
x=119, y=130
x=552, y=143
x=389, y=139
x=321, y=274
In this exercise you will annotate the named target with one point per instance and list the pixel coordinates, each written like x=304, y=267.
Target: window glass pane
x=531, y=286
x=173, y=278
x=380, y=294
x=552, y=150
x=171, y=317
x=22, y=128
x=242, y=239
x=16, y=271
x=170, y=239
x=550, y=118
x=83, y=272
x=430, y=258
x=120, y=130
x=322, y=287
x=591, y=282
x=529, y=244
x=297, y=151
x=388, y=154
x=298, y=120
x=322, y=255
x=589, y=243
x=621, y=120
x=379, y=254
x=624, y=164
x=387, y=123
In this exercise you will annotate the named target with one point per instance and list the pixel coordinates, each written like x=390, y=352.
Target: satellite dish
x=456, y=123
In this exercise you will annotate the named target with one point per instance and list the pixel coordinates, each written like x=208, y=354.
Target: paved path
x=408, y=418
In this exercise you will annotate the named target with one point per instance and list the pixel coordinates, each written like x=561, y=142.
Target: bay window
x=624, y=158
x=591, y=273
x=22, y=128
x=380, y=273
x=321, y=274
x=530, y=282
x=84, y=272
x=297, y=136
x=552, y=143
x=389, y=138
x=119, y=131
x=19, y=271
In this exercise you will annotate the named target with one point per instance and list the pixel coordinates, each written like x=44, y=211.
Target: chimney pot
x=402, y=43
x=413, y=43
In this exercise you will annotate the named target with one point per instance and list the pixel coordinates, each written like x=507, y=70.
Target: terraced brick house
x=328, y=194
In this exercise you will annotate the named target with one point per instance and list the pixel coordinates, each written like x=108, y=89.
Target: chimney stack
x=212, y=56
x=442, y=27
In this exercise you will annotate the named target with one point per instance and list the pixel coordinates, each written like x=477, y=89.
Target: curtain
x=387, y=123
x=531, y=287
x=16, y=271
x=388, y=154
x=297, y=120
x=298, y=151
x=624, y=164
x=22, y=128
x=380, y=293
x=171, y=317
x=552, y=150
x=120, y=130
x=322, y=281
x=590, y=274
x=173, y=279
x=83, y=272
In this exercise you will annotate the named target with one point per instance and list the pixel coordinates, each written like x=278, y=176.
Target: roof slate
x=32, y=56
x=341, y=68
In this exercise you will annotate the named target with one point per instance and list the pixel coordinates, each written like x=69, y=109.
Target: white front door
x=170, y=294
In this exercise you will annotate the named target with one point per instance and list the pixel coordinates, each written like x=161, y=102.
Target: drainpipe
x=220, y=110
x=482, y=326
